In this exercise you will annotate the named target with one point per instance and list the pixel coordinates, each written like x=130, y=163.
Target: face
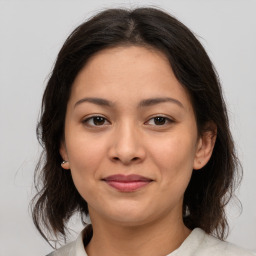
x=131, y=137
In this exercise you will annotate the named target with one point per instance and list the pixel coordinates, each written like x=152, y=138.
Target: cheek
x=174, y=156
x=85, y=156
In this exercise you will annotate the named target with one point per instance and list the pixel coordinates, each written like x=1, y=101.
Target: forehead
x=128, y=72
x=123, y=60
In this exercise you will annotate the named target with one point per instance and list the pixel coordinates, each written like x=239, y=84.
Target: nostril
x=133, y=159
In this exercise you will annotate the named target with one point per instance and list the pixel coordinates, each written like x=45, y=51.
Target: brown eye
x=95, y=121
x=159, y=121
x=98, y=120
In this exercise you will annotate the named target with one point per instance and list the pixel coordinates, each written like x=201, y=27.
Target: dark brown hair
x=209, y=189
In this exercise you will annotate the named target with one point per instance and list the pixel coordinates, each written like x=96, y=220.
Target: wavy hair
x=209, y=190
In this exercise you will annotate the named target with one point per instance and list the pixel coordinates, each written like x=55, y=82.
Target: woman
x=135, y=134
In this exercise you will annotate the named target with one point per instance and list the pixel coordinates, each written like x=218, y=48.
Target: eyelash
x=166, y=119
x=86, y=121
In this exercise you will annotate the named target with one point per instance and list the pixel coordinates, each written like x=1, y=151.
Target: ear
x=205, y=146
x=64, y=155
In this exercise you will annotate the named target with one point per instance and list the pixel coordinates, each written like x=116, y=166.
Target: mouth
x=127, y=183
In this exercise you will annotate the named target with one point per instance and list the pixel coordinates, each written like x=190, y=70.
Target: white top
x=198, y=243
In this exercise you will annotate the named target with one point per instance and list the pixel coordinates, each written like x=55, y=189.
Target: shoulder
x=66, y=250
x=212, y=246
x=75, y=248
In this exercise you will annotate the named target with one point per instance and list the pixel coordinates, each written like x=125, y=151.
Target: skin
x=128, y=140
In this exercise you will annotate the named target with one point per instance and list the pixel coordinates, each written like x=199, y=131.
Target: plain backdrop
x=31, y=34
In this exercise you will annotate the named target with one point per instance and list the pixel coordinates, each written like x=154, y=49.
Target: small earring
x=64, y=162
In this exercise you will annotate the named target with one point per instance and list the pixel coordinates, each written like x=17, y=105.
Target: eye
x=95, y=121
x=159, y=121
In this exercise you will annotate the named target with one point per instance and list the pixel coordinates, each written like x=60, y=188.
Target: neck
x=148, y=239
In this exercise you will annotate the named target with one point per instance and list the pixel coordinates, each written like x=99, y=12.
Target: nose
x=127, y=145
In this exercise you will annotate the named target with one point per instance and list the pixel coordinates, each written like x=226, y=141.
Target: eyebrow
x=143, y=103
x=154, y=101
x=97, y=101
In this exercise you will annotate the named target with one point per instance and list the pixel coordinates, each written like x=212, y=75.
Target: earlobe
x=205, y=147
x=65, y=165
x=64, y=155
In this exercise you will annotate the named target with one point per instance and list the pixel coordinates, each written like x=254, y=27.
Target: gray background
x=31, y=34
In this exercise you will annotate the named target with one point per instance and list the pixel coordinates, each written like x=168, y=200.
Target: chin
x=129, y=216
x=129, y=221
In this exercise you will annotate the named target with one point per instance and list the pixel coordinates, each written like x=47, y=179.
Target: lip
x=127, y=183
